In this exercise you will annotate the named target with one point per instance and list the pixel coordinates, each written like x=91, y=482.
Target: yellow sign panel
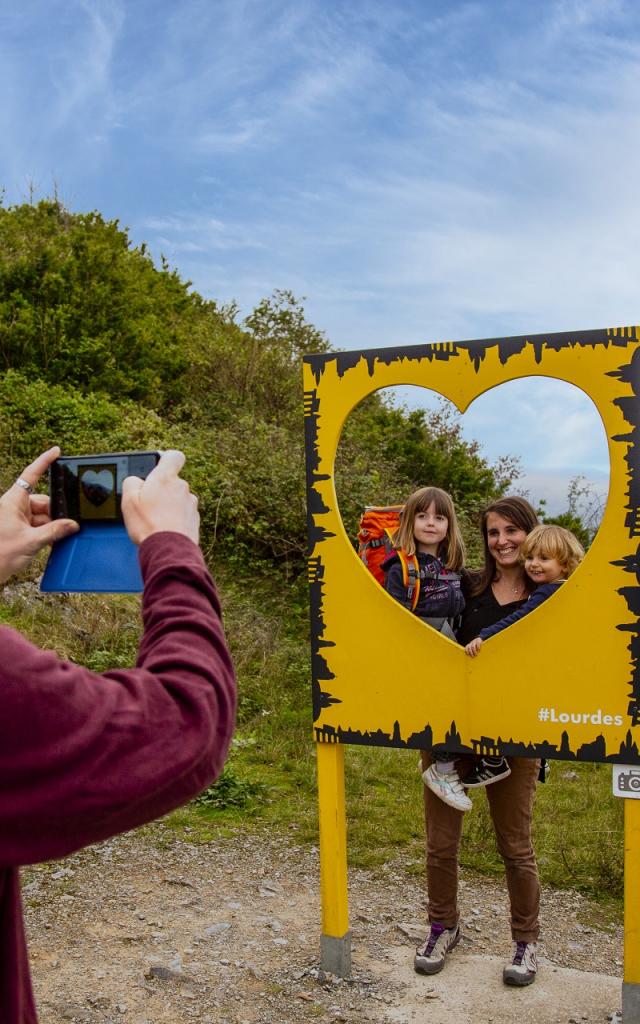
x=563, y=682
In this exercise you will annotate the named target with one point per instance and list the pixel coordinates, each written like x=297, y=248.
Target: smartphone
x=88, y=488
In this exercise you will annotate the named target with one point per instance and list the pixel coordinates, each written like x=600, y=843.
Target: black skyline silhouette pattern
x=475, y=350
x=596, y=750
x=630, y=408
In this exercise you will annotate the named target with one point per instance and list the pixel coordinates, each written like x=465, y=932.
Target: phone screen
x=89, y=488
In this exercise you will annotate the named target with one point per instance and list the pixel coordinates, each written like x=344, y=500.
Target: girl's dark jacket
x=440, y=593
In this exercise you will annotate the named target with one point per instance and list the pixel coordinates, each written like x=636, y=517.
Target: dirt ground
x=145, y=929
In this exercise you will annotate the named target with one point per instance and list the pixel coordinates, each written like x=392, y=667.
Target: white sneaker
x=524, y=966
x=448, y=787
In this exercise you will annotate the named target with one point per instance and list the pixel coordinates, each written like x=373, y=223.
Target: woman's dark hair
x=519, y=512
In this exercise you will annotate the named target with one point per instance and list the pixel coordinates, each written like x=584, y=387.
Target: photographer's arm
x=84, y=756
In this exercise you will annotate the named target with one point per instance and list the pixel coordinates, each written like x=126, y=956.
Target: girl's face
x=504, y=539
x=430, y=528
x=542, y=569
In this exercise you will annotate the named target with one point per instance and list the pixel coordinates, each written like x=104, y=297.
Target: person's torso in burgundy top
x=85, y=756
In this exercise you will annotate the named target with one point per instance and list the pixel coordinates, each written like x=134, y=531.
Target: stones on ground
x=63, y=873
x=74, y=1012
x=163, y=973
x=113, y=887
x=413, y=930
x=268, y=889
x=219, y=928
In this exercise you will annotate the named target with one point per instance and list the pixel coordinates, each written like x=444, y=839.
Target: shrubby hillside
x=101, y=349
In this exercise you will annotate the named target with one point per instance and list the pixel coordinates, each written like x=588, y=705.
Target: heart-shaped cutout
x=420, y=437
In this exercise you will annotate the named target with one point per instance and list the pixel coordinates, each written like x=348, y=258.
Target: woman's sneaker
x=448, y=787
x=429, y=958
x=485, y=772
x=524, y=966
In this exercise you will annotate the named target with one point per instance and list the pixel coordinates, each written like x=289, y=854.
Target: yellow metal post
x=631, y=983
x=336, y=937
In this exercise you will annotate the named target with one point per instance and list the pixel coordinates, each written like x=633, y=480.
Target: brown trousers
x=511, y=807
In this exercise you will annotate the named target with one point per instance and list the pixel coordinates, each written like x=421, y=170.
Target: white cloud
x=552, y=427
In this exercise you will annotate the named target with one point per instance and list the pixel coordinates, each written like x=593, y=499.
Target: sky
x=416, y=170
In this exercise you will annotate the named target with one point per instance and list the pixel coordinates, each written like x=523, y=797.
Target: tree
x=80, y=305
x=584, y=511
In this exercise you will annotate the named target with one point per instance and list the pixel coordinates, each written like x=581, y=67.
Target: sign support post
x=336, y=937
x=631, y=977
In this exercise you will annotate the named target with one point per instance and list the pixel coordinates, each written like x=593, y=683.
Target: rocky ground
x=149, y=930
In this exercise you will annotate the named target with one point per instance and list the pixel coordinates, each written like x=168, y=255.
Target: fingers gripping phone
x=88, y=488
x=100, y=557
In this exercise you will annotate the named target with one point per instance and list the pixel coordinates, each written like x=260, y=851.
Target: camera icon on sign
x=629, y=782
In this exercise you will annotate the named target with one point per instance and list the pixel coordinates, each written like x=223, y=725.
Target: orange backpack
x=378, y=524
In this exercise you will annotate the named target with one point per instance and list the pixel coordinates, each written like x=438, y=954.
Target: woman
x=497, y=590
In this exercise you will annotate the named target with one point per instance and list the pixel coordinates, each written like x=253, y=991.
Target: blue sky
x=418, y=170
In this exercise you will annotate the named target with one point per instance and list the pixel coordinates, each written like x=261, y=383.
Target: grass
x=270, y=778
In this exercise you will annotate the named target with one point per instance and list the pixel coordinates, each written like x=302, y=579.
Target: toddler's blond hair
x=553, y=541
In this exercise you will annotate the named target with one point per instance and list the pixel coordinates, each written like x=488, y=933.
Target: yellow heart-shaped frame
x=564, y=682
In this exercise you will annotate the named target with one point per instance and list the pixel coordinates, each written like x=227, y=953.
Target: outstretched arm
x=85, y=756
x=537, y=598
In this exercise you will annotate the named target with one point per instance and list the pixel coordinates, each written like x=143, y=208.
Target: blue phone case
x=98, y=559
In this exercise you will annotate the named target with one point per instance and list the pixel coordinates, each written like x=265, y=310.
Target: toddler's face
x=542, y=569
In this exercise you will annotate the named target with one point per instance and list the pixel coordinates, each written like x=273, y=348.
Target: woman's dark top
x=482, y=611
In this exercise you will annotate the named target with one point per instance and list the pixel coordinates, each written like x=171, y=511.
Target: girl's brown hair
x=517, y=511
x=452, y=547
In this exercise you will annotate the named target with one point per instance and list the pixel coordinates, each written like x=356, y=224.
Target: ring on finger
x=26, y=486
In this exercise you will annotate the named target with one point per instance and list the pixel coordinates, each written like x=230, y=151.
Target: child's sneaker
x=484, y=773
x=429, y=958
x=448, y=787
x=523, y=968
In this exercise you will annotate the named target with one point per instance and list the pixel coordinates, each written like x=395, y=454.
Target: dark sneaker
x=523, y=968
x=448, y=787
x=429, y=958
x=484, y=773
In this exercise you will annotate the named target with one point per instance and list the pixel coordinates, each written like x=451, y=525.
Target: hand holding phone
x=161, y=502
x=25, y=522
x=118, y=499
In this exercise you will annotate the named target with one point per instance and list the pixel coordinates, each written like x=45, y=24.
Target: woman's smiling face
x=504, y=539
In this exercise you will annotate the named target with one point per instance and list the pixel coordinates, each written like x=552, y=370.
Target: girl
x=429, y=530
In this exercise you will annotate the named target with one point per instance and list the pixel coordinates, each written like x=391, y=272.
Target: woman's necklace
x=508, y=588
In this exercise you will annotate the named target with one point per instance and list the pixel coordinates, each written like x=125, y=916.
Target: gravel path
x=149, y=930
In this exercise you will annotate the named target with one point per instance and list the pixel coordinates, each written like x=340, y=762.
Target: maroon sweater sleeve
x=84, y=756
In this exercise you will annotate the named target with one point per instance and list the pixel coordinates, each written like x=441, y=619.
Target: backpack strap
x=410, y=576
